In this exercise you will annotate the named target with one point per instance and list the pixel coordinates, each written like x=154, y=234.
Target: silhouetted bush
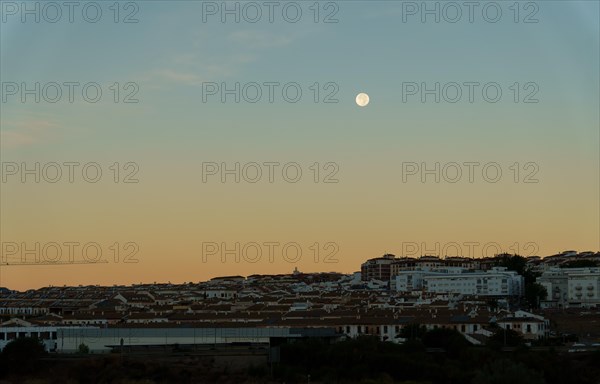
x=449, y=340
x=505, y=338
x=22, y=355
x=506, y=371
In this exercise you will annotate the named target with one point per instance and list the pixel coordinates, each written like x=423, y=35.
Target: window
x=347, y=329
x=385, y=329
x=463, y=328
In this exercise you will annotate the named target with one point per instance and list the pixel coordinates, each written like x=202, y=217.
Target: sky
x=506, y=160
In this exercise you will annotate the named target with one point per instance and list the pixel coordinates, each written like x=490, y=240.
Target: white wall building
x=574, y=287
x=496, y=282
x=556, y=283
x=48, y=335
x=407, y=281
x=584, y=286
x=529, y=325
x=103, y=340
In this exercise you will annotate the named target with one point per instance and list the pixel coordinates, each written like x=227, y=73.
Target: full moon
x=362, y=99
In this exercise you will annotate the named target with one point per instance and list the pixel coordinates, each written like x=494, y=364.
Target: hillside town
x=472, y=296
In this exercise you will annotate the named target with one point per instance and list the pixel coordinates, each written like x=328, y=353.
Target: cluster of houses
x=245, y=309
x=389, y=294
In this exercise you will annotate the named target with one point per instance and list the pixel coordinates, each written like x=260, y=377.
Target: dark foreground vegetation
x=437, y=356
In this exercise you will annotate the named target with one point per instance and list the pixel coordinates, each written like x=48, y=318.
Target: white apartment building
x=556, y=283
x=496, y=282
x=574, y=287
x=407, y=281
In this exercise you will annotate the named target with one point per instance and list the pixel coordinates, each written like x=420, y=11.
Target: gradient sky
x=170, y=52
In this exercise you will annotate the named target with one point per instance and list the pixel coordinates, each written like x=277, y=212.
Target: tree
x=22, y=354
x=83, y=349
x=413, y=331
x=493, y=304
x=505, y=338
x=513, y=263
x=535, y=292
x=580, y=264
x=452, y=341
x=518, y=264
x=505, y=371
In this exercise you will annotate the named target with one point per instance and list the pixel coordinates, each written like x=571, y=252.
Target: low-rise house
x=529, y=325
x=134, y=299
x=145, y=318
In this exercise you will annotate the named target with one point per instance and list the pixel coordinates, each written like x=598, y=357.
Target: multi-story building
x=429, y=262
x=496, y=282
x=584, y=286
x=421, y=263
x=556, y=283
x=407, y=281
x=378, y=268
x=572, y=287
x=403, y=264
x=485, y=263
x=462, y=262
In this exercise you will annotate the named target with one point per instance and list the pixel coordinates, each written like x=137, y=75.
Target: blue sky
x=171, y=52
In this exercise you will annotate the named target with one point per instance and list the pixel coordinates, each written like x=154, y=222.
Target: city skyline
x=16, y=263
